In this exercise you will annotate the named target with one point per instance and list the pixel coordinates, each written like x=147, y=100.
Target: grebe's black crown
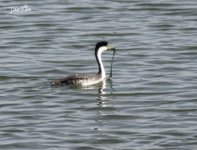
x=100, y=44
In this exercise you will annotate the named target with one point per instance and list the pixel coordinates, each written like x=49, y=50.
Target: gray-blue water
x=151, y=102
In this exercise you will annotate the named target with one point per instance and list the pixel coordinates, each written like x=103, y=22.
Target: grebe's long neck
x=100, y=64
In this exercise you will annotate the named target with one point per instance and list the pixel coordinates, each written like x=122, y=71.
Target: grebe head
x=102, y=46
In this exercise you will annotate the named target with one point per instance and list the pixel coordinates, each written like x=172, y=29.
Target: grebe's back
x=78, y=80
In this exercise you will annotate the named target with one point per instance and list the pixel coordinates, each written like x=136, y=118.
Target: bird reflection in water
x=103, y=100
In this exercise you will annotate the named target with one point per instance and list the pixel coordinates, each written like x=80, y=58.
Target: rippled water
x=151, y=102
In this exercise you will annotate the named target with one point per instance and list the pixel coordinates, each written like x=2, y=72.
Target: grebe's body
x=79, y=80
x=87, y=79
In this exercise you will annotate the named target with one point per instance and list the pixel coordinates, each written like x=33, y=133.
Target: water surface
x=151, y=102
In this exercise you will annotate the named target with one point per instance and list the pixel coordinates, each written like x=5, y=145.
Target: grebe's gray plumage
x=87, y=79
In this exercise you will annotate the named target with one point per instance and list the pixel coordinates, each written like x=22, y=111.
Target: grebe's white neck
x=100, y=63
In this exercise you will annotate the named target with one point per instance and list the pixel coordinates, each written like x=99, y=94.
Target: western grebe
x=88, y=79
